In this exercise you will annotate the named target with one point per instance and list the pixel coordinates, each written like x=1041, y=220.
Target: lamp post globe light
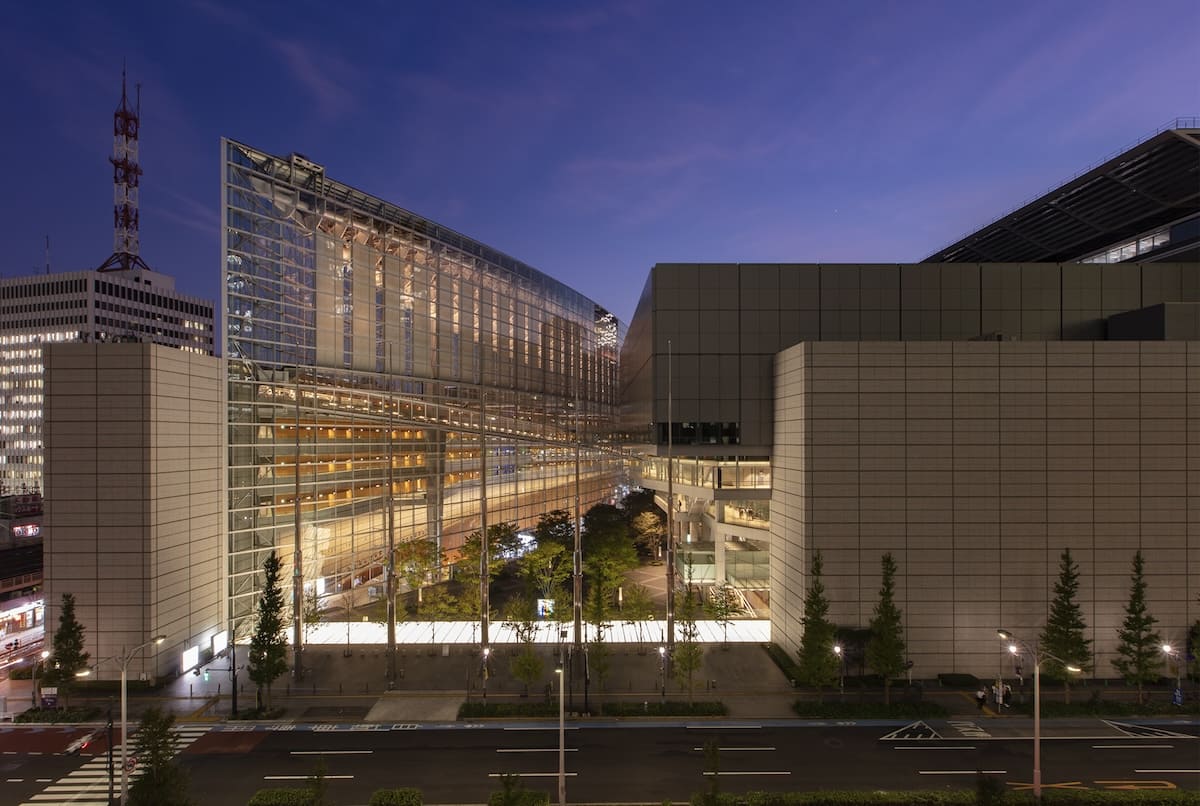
x=1015, y=645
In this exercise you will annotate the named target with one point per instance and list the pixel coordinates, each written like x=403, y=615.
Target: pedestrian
x=1007, y=696
x=980, y=698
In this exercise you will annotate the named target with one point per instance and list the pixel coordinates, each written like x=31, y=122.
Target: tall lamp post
x=38, y=661
x=1015, y=645
x=156, y=640
x=562, y=733
x=837, y=650
x=1177, y=656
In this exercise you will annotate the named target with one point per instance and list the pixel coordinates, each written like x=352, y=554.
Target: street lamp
x=837, y=650
x=486, y=651
x=562, y=733
x=1174, y=654
x=1015, y=645
x=156, y=640
x=662, y=670
x=36, y=663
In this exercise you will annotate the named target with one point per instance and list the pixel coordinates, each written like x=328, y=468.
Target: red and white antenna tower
x=126, y=175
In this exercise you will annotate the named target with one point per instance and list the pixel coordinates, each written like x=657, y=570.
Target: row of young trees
x=1062, y=642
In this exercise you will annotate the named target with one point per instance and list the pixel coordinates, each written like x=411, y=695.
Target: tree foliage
x=162, y=781
x=885, y=649
x=649, y=530
x=1139, y=657
x=1063, y=636
x=468, y=569
x=555, y=527
x=268, y=644
x=722, y=606
x=416, y=563
x=608, y=553
x=69, y=656
x=689, y=653
x=545, y=569
x=818, y=662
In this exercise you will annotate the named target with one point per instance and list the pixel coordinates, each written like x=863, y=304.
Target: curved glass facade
x=376, y=357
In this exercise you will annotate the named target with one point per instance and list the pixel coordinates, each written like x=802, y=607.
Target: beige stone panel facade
x=133, y=508
x=1011, y=452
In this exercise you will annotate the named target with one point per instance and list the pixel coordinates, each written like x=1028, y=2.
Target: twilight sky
x=588, y=139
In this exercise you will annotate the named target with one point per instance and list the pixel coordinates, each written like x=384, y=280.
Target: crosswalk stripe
x=91, y=779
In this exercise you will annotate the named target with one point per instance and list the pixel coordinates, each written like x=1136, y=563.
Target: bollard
x=401, y=672
x=218, y=689
x=339, y=687
x=189, y=691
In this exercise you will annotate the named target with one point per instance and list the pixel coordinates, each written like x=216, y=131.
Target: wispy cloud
x=330, y=83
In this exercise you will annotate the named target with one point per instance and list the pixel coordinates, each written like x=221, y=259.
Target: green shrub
x=396, y=797
x=1098, y=707
x=514, y=793
x=527, y=708
x=668, y=708
x=868, y=710
x=281, y=797
x=76, y=713
x=959, y=681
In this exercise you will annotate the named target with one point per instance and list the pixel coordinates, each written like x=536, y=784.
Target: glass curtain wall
x=373, y=357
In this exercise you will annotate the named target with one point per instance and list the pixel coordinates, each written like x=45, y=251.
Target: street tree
x=545, y=569
x=1194, y=643
x=1063, y=636
x=689, y=653
x=312, y=610
x=885, y=649
x=467, y=570
x=527, y=665
x=637, y=607
x=721, y=607
x=556, y=526
x=162, y=781
x=268, y=644
x=818, y=662
x=69, y=656
x=608, y=553
x=599, y=658
x=1139, y=656
x=649, y=529
x=416, y=563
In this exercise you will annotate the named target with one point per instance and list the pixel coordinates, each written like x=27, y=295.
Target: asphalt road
x=627, y=762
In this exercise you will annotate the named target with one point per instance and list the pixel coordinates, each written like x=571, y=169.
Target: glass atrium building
x=378, y=362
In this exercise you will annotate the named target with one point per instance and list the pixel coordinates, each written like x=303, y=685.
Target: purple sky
x=590, y=140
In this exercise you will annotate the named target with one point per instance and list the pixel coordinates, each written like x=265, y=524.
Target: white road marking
x=534, y=749
x=752, y=772
x=962, y=772
x=723, y=727
x=541, y=727
x=926, y=747
x=725, y=749
x=302, y=777
x=1133, y=746
x=1191, y=772
x=332, y=752
x=530, y=774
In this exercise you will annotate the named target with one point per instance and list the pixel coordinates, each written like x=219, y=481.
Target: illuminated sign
x=220, y=641
x=191, y=657
x=27, y=530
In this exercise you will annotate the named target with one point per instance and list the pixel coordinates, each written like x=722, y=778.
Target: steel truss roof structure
x=1149, y=185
